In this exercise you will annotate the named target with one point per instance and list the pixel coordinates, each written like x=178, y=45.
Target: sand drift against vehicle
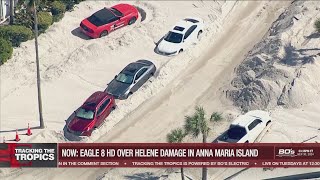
x=106, y=20
x=99, y=105
x=185, y=33
x=246, y=128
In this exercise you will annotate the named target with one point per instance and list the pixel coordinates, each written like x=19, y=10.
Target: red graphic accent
x=7, y=154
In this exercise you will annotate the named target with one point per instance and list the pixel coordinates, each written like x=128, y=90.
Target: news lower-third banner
x=159, y=155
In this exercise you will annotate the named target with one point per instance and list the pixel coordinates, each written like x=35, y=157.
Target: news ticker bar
x=64, y=155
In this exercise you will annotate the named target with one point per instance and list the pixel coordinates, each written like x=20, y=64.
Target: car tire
x=103, y=33
x=130, y=93
x=180, y=51
x=132, y=20
x=199, y=34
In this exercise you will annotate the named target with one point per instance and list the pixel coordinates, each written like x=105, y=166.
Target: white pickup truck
x=245, y=128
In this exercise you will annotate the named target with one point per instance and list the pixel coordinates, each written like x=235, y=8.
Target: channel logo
x=288, y=152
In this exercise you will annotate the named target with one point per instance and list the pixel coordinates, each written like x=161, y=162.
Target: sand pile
x=73, y=66
x=282, y=69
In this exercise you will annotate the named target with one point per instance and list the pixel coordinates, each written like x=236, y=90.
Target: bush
x=44, y=21
x=57, y=8
x=24, y=19
x=70, y=3
x=5, y=50
x=15, y=34
x=57, y=18
x=317, y=25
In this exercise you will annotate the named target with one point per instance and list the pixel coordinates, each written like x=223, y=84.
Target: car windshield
x=116, y=12
x=236, y=132
x=85, y=114
x=173, y=37
x=124, y=78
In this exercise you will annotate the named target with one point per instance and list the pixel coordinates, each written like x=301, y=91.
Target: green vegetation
x=195, y=125
x=216, y=116
x=5, y=50
x=45, y=20
x=48, y=11
x=177, y=136
x=70, y=3
x=15, y=34
x=58, y=9
x=317, y=25
x=24, y=19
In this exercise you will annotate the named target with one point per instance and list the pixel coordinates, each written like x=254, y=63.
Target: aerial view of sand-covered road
x=249, y=55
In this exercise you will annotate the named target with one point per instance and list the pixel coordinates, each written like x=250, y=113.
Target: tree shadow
x=77, y=32
x=295, y=57
x=313, y=35
x=143, y=176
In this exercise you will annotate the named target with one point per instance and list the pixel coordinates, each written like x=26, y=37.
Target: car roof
x=183, y=25
x=244, y=120
x=94, y=100
x=104, y=14
x=132, y=68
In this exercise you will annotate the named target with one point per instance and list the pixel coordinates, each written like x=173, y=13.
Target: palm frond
x=215, y=116
x=191, y=125
x=196, y=123
x=176, y=136
x=200, y=112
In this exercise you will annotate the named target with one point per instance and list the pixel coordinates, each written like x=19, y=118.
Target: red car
x=106, y=20
x=91, y=114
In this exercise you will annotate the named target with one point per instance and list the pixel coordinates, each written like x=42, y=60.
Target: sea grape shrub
x=71, y=3
x=15, y=34
x=44, y=21
x=58, y=9
x=5, y=50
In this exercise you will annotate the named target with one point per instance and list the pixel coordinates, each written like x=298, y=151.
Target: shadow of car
x=77, y=32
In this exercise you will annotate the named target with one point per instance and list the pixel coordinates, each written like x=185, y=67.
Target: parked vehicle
x=181, y=36
x=91, y=114
x=130, y=79
x=246, y=128
x=106, y=20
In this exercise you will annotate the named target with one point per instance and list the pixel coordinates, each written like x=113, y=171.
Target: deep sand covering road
x=199, y=83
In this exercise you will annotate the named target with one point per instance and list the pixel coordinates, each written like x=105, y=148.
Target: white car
x=246, y=128
x=183, y=34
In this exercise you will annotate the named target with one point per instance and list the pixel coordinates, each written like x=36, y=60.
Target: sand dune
x=73, y=67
